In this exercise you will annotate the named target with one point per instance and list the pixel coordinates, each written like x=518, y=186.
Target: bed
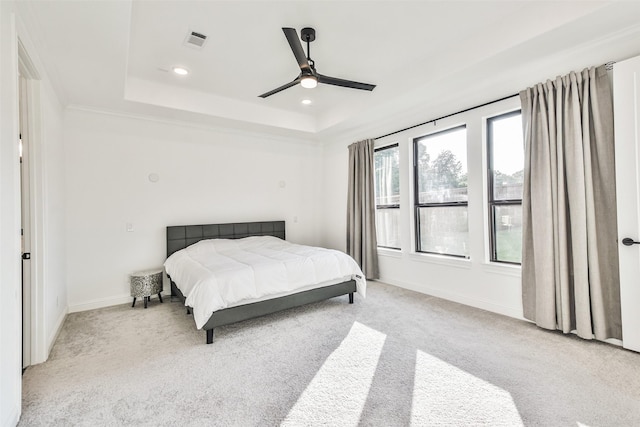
x=187, y=247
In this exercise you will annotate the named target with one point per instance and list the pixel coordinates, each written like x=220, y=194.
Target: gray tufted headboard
x=181, y=236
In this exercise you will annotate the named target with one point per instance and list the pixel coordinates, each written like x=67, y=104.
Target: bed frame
x=181, y=236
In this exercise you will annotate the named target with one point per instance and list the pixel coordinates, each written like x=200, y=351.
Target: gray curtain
x=362, y=244
x=570, y=255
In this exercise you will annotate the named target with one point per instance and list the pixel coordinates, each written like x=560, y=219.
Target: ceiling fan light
x=309, y=82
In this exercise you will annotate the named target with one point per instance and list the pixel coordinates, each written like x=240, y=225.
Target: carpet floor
x=396, y=358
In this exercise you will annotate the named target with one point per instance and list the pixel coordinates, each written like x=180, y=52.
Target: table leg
x=160, y=296
x=145, y=302
x=134, y=302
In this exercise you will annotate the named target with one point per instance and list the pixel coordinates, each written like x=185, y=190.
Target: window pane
x=444, y=230
x=508, y=157
x=387, y=227
x=442, y=167
x=387, y=176
x=508, y=229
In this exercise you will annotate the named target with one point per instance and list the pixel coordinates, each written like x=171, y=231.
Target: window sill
x=504, y=269
x=388, y=252
x=441, y=260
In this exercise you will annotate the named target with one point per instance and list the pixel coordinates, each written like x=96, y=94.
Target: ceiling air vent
x=195, y=40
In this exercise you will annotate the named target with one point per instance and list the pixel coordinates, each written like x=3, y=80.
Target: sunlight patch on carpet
x=445, y=395
x=339, y=390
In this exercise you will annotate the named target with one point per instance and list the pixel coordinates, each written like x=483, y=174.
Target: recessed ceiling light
x=180, y=71
x=306, y=102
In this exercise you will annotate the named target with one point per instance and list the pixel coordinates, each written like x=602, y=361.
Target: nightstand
x=146, y=283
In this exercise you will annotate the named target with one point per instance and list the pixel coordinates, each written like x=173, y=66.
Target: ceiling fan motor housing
x=308, y=34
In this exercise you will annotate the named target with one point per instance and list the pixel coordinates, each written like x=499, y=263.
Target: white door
x=626, y=96
x=25, y=225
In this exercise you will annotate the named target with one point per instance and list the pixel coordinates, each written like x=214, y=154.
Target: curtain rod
x=448, y=115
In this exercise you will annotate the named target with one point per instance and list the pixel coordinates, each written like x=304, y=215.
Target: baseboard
x=477, y=303
x=13, y=417
x=105, y=302
x=613, y=341
x=57, y=329
x=462, y=299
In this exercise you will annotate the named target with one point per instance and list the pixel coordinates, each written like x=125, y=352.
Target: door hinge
x=26, y=255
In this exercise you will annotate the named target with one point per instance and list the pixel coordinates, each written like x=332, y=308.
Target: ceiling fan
x=309, y=77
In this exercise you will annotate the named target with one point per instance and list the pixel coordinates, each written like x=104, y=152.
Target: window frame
x=491, y=201
x=416, y=193
x=391, y=205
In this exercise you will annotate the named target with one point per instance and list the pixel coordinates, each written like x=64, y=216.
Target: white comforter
x=219, y=273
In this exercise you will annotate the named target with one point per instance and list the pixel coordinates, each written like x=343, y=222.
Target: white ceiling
x=426, y=57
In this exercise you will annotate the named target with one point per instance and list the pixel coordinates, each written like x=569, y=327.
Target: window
x=387, y=188
x=505, y=161
x=440, y=168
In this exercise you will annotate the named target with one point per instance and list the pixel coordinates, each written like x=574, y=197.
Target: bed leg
x=188, y=310
x=209, y=336
x=351, y=298
x=134, y=302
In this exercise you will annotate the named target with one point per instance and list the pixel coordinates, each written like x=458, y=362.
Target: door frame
x=32, y=110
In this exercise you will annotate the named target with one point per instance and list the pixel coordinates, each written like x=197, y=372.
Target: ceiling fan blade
x=344, y=83
x=296, y=47
x=281, y=88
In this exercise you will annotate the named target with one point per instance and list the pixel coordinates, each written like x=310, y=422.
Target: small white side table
x=144, y=284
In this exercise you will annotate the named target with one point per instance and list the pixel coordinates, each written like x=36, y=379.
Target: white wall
x=53, y=211
x=205, y=176
x=476, y=281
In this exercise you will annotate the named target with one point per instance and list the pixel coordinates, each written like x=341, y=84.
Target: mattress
x=221, y=273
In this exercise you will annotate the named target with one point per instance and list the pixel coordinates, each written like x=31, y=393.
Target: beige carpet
x=397, y=358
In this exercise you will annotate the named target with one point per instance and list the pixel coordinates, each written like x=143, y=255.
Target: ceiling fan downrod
x=308, y=35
